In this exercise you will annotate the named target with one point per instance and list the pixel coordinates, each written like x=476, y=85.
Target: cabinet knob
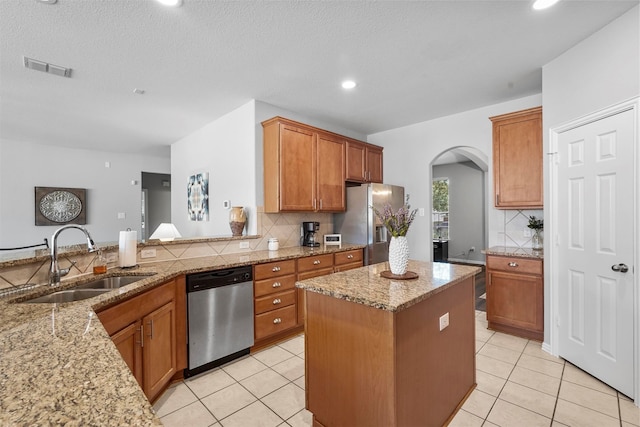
x=276, y=285
x=275, y=269
x=277, y=320
x=349, y=256
x=316, y=262
x=277, y=301
x=513, y=264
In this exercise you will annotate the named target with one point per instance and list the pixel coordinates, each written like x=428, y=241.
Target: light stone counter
x=365, y=285
x=514, y=252
x=58, y=366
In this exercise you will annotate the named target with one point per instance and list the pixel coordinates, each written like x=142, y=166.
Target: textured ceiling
x=413, y=61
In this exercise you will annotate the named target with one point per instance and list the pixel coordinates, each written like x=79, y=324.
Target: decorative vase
x=536, y=240
x=237, y=220
x=398, y=255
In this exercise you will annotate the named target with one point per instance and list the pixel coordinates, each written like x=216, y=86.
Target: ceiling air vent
x=46, y=67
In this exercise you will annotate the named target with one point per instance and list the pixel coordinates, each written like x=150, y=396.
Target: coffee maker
x=309, y=230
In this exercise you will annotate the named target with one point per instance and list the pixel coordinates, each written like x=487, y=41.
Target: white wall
x=24, y=166
x=225, y=149
x=409, y=151
x=600, y=71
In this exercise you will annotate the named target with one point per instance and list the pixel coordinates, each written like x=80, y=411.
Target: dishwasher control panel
x=218, y=278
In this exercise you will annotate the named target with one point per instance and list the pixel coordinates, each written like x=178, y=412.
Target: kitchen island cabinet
x=517, y=160
x=375, y=353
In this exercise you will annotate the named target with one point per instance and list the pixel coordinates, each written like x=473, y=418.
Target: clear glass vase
x=536, y=240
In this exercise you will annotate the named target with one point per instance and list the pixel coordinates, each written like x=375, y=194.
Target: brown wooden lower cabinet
x=515, y=292
x=278, y=305
x=367, y=367
x=150, y=334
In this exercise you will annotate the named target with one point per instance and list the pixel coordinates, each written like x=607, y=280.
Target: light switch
x=122, y=215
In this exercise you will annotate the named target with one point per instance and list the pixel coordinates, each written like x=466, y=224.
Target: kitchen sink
x=68, y=295
x=109, y=283
x=87, y=290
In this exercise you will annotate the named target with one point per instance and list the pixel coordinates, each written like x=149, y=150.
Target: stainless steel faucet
x=55, y=272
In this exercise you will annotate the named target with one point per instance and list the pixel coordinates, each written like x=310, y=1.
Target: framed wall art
x=59, y=206
x=198, y=197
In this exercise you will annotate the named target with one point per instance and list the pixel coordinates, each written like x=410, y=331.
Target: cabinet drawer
x=274, y=301
x=278, y=284
x=315, y=262
x=314, y=273
x=345, y=267
x=274, y=269
x=348, y=257
x=275, y=321
x=515, y=265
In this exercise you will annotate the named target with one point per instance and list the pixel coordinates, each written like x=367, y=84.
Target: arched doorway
x=462, y=222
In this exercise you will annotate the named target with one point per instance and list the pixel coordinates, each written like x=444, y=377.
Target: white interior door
x=595, y=212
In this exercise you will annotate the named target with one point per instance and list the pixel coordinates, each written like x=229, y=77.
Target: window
x=440, y=214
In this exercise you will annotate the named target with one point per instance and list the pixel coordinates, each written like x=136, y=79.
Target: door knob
x=622, y=268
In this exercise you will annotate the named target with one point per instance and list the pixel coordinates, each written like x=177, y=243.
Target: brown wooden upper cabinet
x=517, y=160
x=364, y=162
x=304, y=168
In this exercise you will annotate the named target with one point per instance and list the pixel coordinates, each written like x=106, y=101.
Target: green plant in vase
x=537, y=225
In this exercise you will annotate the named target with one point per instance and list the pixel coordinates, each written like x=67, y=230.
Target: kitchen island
x=376, y=353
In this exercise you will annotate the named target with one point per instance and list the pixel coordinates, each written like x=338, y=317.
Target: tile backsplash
x=286, y=227
x=511, y=227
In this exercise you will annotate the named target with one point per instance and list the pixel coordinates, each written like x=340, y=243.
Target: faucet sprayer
x=55, y=272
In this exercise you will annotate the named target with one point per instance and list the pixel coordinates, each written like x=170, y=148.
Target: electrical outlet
x=122, y=215
x=472, y=249
x=244, y=245
x=148, y=253
x=527, y=232
x=444, y=320
x=421, y=211
x=112, y=257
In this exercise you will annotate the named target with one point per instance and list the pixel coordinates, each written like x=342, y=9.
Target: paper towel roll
x=128, y=246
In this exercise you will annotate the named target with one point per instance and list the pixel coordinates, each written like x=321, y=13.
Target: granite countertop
x=365, y=285
x=58, y=364
x=513, y=251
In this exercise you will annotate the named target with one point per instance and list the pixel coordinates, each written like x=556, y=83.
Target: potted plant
x=537, y=225
x=397, y=224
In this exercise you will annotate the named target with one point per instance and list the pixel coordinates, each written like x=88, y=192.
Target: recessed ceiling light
x=348, y=84
x=138, y=91
x=170, y=3
x=47, y=1
x=543, y=4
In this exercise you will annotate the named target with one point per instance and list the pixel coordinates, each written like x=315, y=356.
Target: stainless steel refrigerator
x=359, y=225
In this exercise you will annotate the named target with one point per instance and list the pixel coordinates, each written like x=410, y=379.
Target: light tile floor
x=519, y=385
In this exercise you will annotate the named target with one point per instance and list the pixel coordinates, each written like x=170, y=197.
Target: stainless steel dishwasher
x=220, y=317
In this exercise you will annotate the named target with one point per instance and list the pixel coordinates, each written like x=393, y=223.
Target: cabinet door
x=374, y=164
x=127, y=342
x=159, y=349
x=517, y=160
x=297, y=169
x=330, y=167
x=515, y=301
x=356, y=162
